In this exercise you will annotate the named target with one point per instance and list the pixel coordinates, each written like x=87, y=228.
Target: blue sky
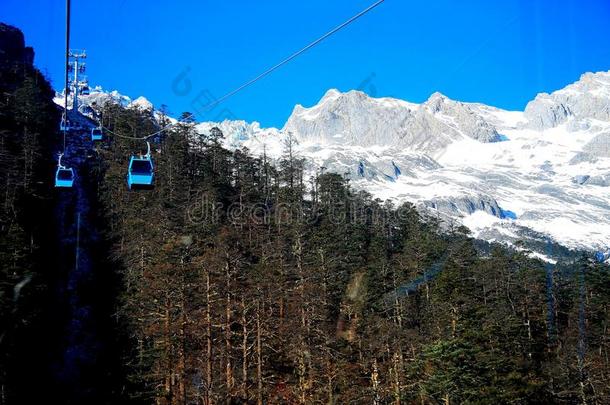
x=497, y=52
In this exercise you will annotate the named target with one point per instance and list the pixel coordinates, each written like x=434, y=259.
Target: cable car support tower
x=78, y=83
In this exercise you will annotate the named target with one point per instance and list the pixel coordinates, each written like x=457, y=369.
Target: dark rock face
x=466, y=205
x=12, y=47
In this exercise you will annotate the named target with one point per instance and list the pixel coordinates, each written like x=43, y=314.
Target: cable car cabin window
x=141, y=167
x=64, y=174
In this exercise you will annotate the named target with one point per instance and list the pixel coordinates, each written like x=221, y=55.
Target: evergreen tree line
x=246, y=281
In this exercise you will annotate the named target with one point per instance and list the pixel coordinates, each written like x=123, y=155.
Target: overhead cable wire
x=262, y=75
x=65, y=120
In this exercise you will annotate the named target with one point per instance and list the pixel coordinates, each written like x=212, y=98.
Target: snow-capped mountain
x=90, y=104
x=507, y=175
x=354, y=118
x=99, y=97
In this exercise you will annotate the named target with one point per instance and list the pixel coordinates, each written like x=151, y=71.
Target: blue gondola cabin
x=96, y=134
x=64, y=125
x=64, y=177
x=141, y=172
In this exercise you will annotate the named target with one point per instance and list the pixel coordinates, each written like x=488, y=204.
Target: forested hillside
x=246, y=282
x=242, y=280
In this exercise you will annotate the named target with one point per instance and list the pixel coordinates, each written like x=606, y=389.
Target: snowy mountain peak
x=348, y=118
x=331, y=94
x=578, y=104
x=358, y=119
x=439, y=103
x=435, y=101
x=351, y=99
x=592, y=82
x=142, y=104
